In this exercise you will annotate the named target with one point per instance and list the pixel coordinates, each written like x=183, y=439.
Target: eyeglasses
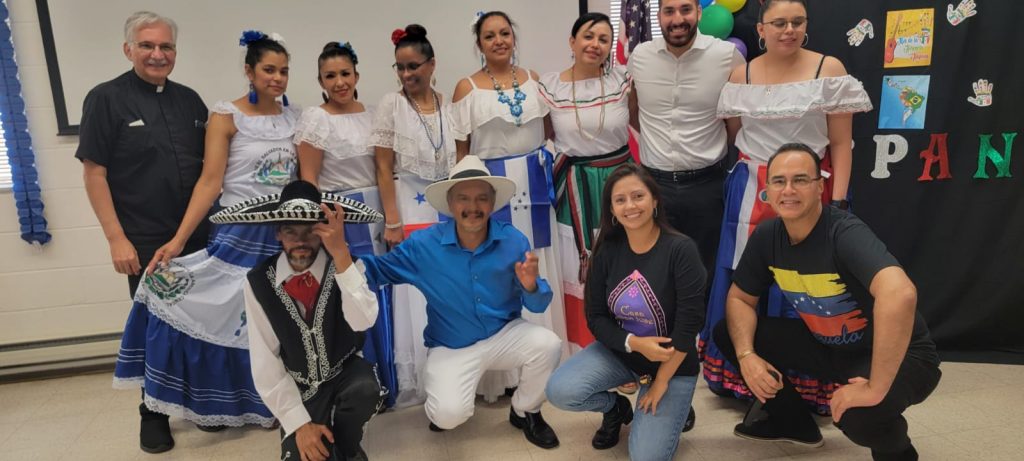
x=781, y=23
x=798, y=182
x=411, y=67
x=148, y=47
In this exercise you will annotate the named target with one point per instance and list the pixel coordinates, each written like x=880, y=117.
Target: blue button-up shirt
x=470, y=295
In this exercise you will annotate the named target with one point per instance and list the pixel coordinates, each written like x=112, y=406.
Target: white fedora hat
x=470, y=168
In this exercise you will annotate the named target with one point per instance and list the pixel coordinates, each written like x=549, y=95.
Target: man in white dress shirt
x=307, y=308
x=677, y=79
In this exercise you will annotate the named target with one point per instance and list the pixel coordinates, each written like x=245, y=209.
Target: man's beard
x=301, y=262
x=690, y=34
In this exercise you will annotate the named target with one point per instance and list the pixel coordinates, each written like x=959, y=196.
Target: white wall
x=68, y=287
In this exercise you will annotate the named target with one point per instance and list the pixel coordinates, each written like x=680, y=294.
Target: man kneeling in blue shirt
x=476, y=274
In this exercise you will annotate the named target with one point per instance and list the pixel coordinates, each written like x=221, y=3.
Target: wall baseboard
x=58, y=356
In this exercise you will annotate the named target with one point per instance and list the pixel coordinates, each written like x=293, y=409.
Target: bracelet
x=744, y=354
x=397, y=225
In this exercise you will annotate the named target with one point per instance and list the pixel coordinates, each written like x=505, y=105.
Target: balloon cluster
x=716, y=20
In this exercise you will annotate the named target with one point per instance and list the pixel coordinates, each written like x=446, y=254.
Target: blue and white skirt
x=186, y=342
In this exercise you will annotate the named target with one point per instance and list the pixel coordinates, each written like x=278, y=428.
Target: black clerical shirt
x=150, y=140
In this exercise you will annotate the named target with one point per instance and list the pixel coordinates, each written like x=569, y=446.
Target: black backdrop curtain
x=959, y=236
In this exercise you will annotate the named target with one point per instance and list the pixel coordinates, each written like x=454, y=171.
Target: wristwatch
x=841, y=204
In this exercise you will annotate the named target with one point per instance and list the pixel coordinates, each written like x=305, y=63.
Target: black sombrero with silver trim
x=298, y=203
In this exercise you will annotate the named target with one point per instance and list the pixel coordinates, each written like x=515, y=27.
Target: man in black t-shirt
x=858, y=324
x=141, y=146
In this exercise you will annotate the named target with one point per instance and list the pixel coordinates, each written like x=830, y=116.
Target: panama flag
x=410, y=192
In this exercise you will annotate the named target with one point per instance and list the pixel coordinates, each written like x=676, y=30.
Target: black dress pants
x=695, y=206
x=344, y=405
x=788, y=344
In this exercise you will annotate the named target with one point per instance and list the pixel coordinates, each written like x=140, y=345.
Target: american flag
x=634, y=27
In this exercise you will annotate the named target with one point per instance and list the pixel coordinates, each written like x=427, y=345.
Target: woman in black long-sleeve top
x=645, y=306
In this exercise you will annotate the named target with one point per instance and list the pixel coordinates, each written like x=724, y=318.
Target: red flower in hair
x=397, y=35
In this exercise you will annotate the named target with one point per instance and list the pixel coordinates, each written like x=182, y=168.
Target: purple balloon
x=742, y=47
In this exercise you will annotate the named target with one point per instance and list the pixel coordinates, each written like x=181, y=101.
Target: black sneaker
x=537, y=431
x=433, y=428
x=154, y=431
x=607, y=436
x=765, y=430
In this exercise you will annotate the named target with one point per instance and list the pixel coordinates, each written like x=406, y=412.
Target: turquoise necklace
x=515, y=103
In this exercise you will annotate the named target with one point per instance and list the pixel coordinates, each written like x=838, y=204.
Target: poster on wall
x=904, y=102
x=908, y=37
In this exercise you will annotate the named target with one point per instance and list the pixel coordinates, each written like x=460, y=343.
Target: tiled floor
x=977, y=413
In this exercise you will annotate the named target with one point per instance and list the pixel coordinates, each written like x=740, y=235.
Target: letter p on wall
x=884, y=155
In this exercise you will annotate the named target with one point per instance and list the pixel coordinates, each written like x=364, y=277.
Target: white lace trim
x=830, y=95
x=128, y=383
x=481, y=106
x=266, y=127
x=173, y=409
x=318, y=128
x=397, y=127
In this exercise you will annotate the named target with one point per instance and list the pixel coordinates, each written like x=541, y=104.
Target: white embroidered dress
x=186, y=340
x=413, y=138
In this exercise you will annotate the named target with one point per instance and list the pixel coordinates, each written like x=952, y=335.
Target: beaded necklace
x=515, y=103
x=576, y=110
x=440, y=123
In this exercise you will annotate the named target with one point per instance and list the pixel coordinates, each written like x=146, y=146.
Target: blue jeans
x=582, y=383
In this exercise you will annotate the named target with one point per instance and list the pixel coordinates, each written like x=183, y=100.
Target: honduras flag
x=530, y=207
x=529, y=210
x=367, y=239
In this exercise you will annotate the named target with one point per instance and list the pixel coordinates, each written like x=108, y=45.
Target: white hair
x=142, y=19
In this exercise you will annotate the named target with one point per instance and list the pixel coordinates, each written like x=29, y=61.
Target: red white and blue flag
x=634, y=28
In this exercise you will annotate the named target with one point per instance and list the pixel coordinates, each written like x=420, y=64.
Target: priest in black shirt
x=858, y=320
x=645, y=305
x=141, y=145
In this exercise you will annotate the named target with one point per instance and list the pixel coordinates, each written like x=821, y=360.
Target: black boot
x=782, y=419
x=607, y=435
x=211, y=428
x=359, y=456
x=535, y=428
x=154, y=431
x=691, y=419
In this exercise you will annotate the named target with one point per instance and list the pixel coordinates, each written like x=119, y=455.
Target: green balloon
x=716, y=21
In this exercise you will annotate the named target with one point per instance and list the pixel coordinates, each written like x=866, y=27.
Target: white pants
x=451, y=375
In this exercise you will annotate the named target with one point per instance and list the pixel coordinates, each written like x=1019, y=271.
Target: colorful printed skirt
x=745, y=206
x=578, y=185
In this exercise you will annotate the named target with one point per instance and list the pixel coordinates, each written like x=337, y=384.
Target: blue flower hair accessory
x=352, y=51
x=476, y=18
x=250, y=36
